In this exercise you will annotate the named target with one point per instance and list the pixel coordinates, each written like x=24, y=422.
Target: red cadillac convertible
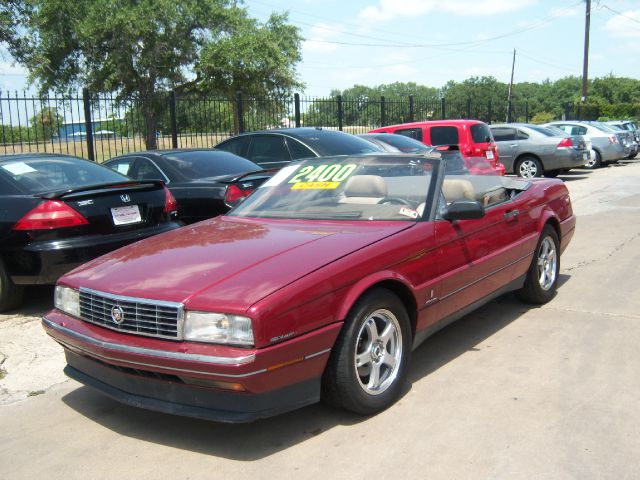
x=317, y=287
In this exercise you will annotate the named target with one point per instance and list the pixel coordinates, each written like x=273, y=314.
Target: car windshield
x=328, y=142
x=209, y=163
x=402, y=143
x=375, y=187
x=37, y=175
x=547, y=132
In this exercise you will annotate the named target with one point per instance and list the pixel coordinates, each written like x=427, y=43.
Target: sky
x=429, y=42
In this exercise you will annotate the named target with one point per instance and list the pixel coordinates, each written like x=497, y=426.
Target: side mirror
x=464, y=210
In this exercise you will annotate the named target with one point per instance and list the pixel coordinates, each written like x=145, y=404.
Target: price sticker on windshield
x=321, y=177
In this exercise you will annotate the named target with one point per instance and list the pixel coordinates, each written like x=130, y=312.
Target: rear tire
x=367, y=368
x=529, y=167
x=541, y=282
x=11, y=295
x=595, y=162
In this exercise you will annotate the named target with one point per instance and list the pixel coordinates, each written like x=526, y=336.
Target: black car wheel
x=542, y=277
x=367, y=368
x=10, y=294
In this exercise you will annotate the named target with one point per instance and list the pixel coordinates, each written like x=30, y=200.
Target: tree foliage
x=145, y=47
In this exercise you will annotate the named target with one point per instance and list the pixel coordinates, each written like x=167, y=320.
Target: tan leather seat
x=457, y=189
x=367, y=189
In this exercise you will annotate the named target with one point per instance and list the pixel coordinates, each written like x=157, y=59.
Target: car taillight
x=234, y=193
x=565, y=142
x=170, y=204
x=49, y=215
x=613, y=139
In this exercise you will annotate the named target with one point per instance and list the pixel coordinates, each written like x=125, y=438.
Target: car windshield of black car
x=49, y=174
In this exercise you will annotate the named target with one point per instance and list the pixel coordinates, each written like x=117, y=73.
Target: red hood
x=244, y=260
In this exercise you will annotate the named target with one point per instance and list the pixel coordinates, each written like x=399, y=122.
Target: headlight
x=218, y=328
x=68, y=300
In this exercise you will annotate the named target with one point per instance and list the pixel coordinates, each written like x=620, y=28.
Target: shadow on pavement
x=38, y=300
x=248, y=442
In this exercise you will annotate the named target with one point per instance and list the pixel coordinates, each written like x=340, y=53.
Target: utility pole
x=585, y=65
x=509, y=104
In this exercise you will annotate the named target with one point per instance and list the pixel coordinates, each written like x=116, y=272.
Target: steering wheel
x=395, y=201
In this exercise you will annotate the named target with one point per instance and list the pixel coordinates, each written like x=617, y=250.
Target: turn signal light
x=565, y=142
x=49, y=215
x=234, y=194
x=170, y=204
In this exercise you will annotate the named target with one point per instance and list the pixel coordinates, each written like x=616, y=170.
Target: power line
x=619, y=13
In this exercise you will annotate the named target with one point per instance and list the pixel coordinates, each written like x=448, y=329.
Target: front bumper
x=227, y=384
x=46, y=261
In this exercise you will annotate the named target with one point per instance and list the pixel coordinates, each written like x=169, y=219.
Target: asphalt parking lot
x=509, y=391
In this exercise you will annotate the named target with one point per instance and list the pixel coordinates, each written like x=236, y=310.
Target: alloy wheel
x=547, y=263
x=378, y=352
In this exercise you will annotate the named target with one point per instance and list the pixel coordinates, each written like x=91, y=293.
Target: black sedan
x=276, y=148
x=205, y=182
x=58, y=211
x=394, y=143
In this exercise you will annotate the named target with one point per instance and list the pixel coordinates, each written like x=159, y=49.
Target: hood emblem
x=125, y=198
x=117, y=314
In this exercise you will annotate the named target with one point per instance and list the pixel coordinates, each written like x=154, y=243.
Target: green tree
x=46, y=123
x=148, y=46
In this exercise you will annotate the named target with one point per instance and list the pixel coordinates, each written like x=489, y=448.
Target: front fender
x=383, y=277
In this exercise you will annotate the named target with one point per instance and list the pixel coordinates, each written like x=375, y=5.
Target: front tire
x=368, y=364
x=10, y=294
x=541, y=283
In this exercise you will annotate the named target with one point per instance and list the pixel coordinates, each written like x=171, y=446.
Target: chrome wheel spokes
x=378, y=352
x=547, y=263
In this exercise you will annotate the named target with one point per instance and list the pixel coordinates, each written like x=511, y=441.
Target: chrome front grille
x=151, y=318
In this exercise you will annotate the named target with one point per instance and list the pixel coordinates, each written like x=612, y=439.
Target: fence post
x=340, y=112
x=411, y=109
x=296, y=108
x=239, y=112
x=489, y=111
x=174, y=122
x=443, y=108
x=88, y=125
x=383, y=112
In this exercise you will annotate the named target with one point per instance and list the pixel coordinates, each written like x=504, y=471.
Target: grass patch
x=35, y=393
x=3, y=373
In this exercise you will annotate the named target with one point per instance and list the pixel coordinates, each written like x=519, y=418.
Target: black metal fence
x=98, y=127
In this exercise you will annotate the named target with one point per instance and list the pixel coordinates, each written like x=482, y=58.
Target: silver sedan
x=532, y=151
x=607, y=146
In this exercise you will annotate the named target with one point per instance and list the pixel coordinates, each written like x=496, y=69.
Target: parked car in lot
x=625, y=137
x=607, y=147
x=204, y=182
x=57, y=212
x=318, y=286
x=473, y=137
x=632, y=132
x=532, y=151
x=277, y=148
x=390, y=142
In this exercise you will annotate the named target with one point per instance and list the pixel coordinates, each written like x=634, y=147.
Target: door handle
x=511, y=215
x=513, y=145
